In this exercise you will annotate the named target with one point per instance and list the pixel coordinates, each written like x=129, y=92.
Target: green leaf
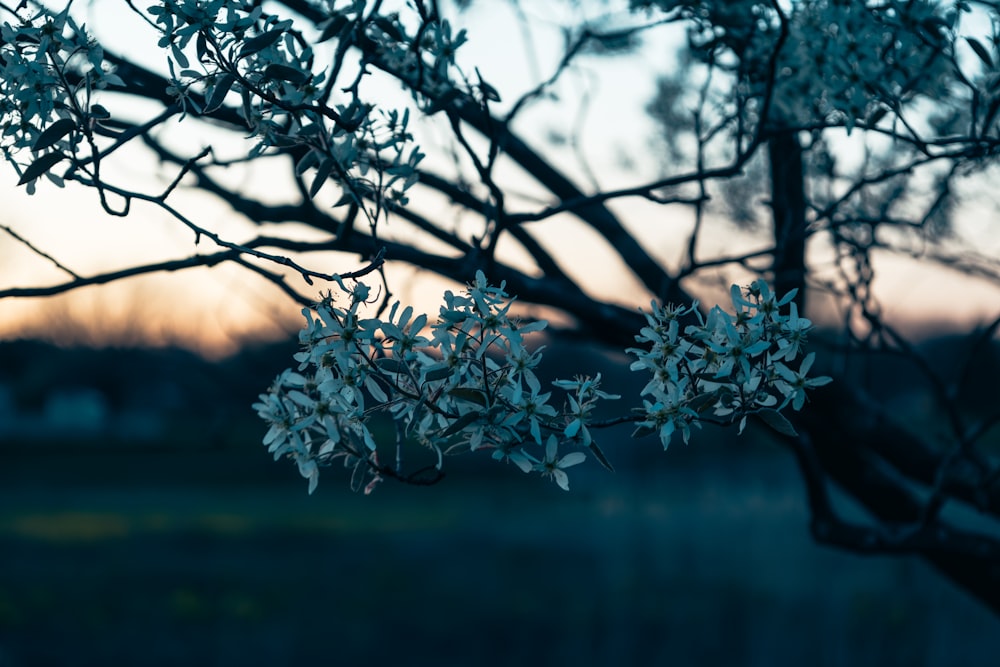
x=40, y=166
x=642, y=431
x=179, y=56
x=601, y=457
x=460, y=423
x=98, y=112
x=310, y=159
x=247, y=106
x=777, y=421
x=222, y=88
x=322, y=174
x=980, y=50
x=373, y=387
x=488, y=92
x=437, y=374
x=54, y=133
x=345, y=199
x=703, y=402
x=332, y=28
x=201, y=47
x=260, y=42
x=285, y=73
x=469, y=394
x=310, y=129
x=877, y=115
x=391, y=365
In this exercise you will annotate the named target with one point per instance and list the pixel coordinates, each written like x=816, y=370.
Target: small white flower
x=533, y=406
x=793, y=335
x=553, y=467
x=794, y=384
x=521, y=459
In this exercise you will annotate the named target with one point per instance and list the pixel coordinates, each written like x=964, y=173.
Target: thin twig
x=38, y=251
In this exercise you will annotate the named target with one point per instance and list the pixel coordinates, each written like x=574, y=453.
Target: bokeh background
x=142, y=522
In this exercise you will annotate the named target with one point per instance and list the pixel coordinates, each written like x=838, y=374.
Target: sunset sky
x=215, y=311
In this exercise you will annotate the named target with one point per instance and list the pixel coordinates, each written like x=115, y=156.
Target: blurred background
x=142, y=521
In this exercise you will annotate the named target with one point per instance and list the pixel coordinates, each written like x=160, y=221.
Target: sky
x=216, y=311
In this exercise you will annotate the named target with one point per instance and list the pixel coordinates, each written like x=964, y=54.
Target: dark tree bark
x=851, y=442
x=868, y=455
x=844, y=437
x=788, y=206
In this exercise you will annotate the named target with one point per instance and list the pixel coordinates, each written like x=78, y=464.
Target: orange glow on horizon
x=149, y=312
x=178, y=310
x=215, y=312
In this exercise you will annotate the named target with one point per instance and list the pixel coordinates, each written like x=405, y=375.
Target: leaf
x=54, y=133
x=437, y=374
x=247, y=107
x=703, y=402
x=310, y=129
x=260, y=42
x=469, y=394
x=642, y=431
x=279, y=140
x=112, y=79
x=222, y=88
x=322, y=174
x=391, y=365
x=460, y=423
x=489, y=92
x=346, y=198
x=55, y=180
x=308, y=160
x=601, y=457
x=980, y=50
x=179, y=56
x=40, y=166
x=332, y=28
x=372, y=385
x=285, y=73
x=201, y=47
x=877, y=115
x=777, y=421
x=98, y=112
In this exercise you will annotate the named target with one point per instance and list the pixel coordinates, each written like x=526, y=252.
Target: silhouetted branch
x=194, y=261
x=30, y=246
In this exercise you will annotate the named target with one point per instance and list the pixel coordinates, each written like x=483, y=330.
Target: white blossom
x=467, y=382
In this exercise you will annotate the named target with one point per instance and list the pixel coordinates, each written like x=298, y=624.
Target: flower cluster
x=842, y=62
x=725, y=366
x=49, y=72
x=467, y=382
x=235, y=52
x=265, y=62
x=853, y=60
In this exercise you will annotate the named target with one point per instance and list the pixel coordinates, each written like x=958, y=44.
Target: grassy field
x=218, y=557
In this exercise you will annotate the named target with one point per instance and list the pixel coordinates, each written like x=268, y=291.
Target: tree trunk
x=850, y=441
x=788, y=206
